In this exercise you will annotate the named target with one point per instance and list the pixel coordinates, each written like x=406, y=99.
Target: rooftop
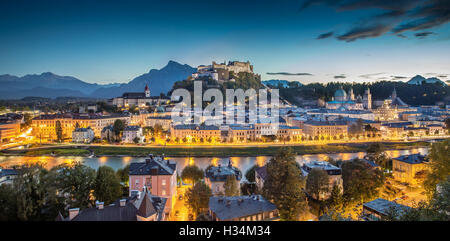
x=226, y=208
x=153, y=166
x=221, y=173
x=383, y=206
x=412, y=159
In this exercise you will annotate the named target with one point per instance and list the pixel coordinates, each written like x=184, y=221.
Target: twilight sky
x=310, y=41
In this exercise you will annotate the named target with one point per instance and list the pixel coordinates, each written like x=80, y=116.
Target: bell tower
x=147, y=91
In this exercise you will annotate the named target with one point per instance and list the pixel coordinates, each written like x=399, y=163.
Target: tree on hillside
x=197, y=197
x=439, y=166
x=317, y=183
x=361, y=182
x=118, y=128
x=192, y=174
x=284, y=184
x=231, y=186
x=107, y=186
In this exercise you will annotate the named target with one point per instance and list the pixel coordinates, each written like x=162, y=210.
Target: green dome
x=340, y=93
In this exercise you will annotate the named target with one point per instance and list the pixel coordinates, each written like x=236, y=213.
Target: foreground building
x=216, y=176
x=7, y=175
x=242, y=208
x=379, y=209
x=405, y=168
x=334, y=174
x=157, y=176
x=138, y=207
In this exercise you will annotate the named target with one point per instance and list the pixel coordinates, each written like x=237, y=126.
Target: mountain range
x=419, y=80
x=50, y=85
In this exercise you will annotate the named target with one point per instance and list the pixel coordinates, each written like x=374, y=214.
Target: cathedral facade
x=344, y=101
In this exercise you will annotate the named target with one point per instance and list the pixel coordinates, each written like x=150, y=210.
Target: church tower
x=351, y=95
x=394, y=94
x=147, y=91
x=367, y=99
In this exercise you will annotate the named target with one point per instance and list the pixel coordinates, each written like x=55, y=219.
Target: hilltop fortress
x=221, y=72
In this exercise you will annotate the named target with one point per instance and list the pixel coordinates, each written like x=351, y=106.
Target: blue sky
x=115, y=41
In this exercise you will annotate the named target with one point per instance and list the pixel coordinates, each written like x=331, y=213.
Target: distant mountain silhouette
x=52, y=85
x=159, y=81
x=274, y=83
x=12, y=93
x=419, y=79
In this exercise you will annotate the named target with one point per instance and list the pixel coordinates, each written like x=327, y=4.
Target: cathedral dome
x=340, y=95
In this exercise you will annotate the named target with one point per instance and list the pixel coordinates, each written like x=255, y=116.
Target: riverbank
x=202, y=151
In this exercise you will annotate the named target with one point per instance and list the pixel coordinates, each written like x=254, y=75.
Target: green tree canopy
x=361, y=182
x=284, y=184
x=58, y=130
x=192, y=174
x=439, y=166
x=107, y=186
x=231, y=186
x=197, y=197
x=317, y=183
x=250, y=174
x=77, y=181
x=118, y=127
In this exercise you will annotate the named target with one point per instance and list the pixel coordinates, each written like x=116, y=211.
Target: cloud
x=396, y=17
x=364, y=32
x=325, y=35
x=287, y=73
x=432, y=14
x=398, y=77
x=423, y=34
x=342, y=76
x=369, y=76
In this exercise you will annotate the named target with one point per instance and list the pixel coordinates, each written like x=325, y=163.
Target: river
x=243, y=163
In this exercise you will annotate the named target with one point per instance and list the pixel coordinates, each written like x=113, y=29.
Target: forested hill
x=425, y=94
x=241, y=81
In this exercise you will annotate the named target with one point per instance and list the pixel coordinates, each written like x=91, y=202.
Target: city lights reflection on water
x=243, y=163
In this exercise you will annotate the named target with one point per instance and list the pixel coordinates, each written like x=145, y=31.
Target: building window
x=163, y=192
x=163, y=182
